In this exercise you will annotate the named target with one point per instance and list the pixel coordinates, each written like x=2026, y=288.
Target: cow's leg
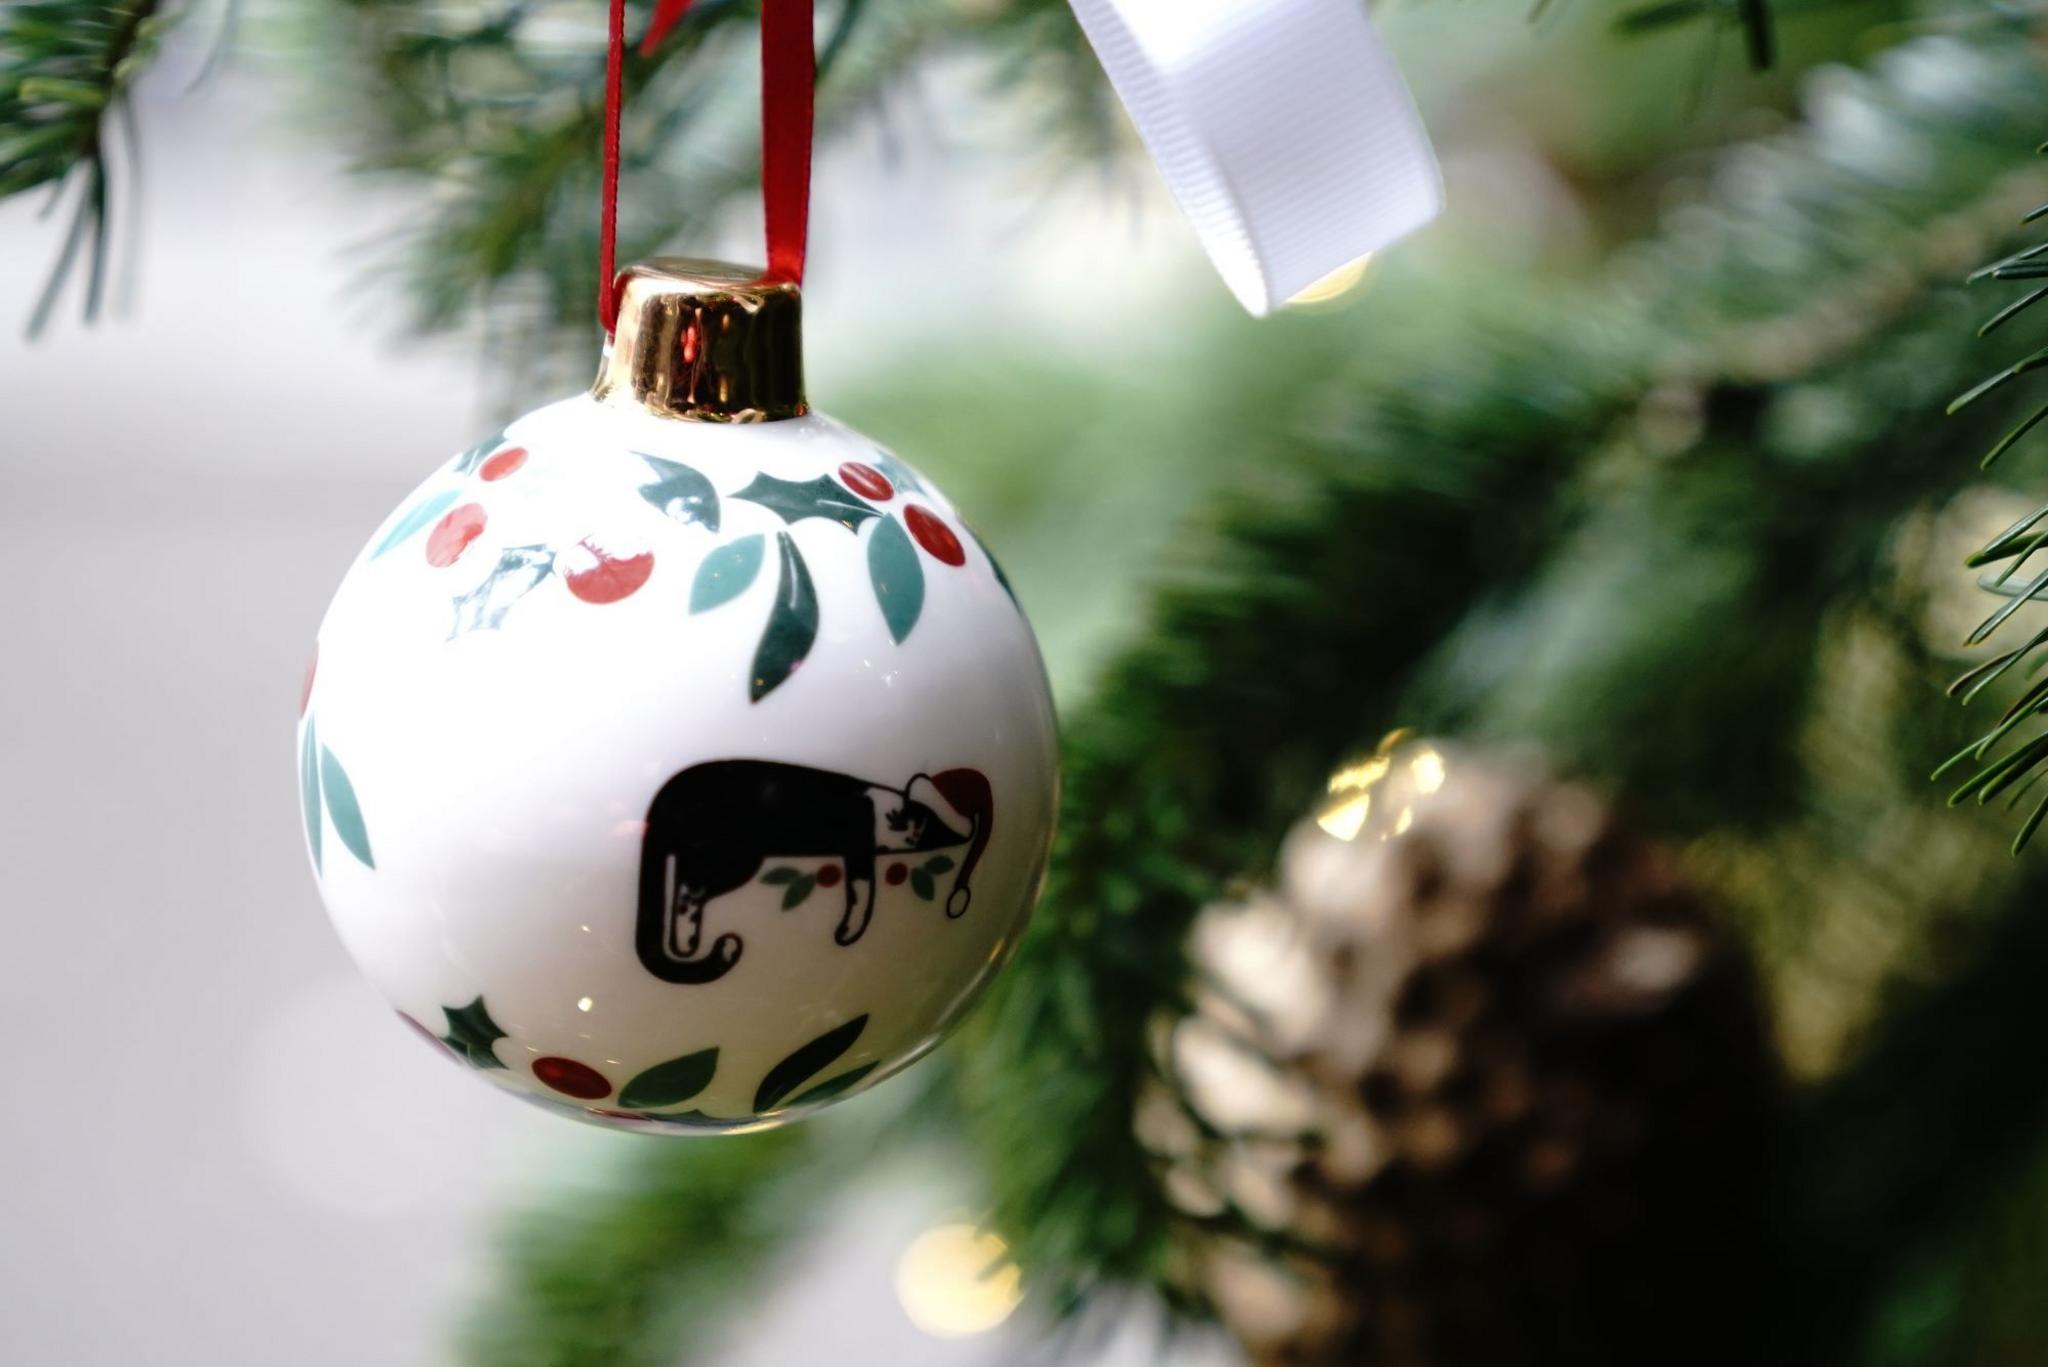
x=860, y=894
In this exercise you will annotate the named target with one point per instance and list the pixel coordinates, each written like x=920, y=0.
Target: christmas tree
x=1501, y=912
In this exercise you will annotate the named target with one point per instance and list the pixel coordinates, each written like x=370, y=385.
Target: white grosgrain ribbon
x=1282, y=127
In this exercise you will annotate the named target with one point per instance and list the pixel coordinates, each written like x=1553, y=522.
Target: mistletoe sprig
x=2005, y=762
x=65, y=70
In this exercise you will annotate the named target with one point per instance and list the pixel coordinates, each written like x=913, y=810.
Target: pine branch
x=1753, y=17
x=646, y=1263
x=625, y=1271
x=500, y=110
x=65, y=70
x=1990, y=770
x=1253, y=680
x=1668, y=647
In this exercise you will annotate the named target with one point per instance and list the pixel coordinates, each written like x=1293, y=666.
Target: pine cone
x=1481, y=1082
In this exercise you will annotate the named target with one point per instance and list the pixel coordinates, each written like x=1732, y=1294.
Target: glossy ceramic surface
x=682, y=776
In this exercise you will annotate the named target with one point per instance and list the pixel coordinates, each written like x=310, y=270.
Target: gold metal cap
x=705, y=341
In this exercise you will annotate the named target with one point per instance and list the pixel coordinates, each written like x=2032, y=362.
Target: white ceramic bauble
x=685, y=775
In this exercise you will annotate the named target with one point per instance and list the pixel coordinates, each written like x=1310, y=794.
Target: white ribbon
x=1282, y=126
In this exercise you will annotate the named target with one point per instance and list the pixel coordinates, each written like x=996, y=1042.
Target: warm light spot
x=1347, y=818
x=1338, y=282
x=1363, y=774
x=584, y=1004
x=1428, y=769
x=957, y=1280
x=1404, y=821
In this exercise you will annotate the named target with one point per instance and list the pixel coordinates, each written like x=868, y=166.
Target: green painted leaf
x=821, y=497
x=669, y=1084
x=939, y=865
x=785, y=874
x=469, y=460
x=696, y=1120
x=309, y=792
x=799, y=890
x=415, y=520
x=900, y=475
x=681, y=492
x=832, y=1087
x=792, y=623
x=898, y=578
x=727, y=572
x=921, y=883
x=343, y=809
x=806, y=1063
x=471, y=1032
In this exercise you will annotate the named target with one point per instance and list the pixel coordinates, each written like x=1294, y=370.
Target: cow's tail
x=967, y=791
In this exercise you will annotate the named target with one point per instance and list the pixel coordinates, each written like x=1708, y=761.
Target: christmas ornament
x=1473, y=1084
x=677, y=757
x=1283, y=129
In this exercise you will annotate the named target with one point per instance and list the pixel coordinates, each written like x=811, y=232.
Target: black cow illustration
x=711, y=827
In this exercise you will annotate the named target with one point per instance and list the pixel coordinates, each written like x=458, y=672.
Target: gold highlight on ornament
x=958, y=1280
x=706, y=342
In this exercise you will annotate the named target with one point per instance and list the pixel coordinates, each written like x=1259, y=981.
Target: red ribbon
x=789, y=73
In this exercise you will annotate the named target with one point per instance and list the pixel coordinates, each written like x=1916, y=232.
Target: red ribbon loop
x=789, y=73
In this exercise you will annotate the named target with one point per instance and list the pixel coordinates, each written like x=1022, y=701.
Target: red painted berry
x=896, y=874
x=306, y=688
x=601, y=577
x=935, y=536
x=503, y=463
x=866, y=481
x=453, y=533
x=828, y=877
x=571, y=1078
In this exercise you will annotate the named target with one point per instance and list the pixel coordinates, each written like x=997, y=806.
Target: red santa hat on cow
x=963, y=803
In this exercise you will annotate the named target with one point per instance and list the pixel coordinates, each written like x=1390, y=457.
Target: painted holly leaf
x=681, y=492
x=821, y=497
x=695, y=1120
x=415, y=520
x=897, y=577
x=941, y=864
x=792, y=623
x=781, y=877
x=519, y=571
x=471, y=1033
x=342, y=808
x=921, y=883
x=900, y=475
x=798, y=891
x=996, y=565
x=671, y=1083
x=837, y=1086
x=728, y=572
x=474, y=456
x=309, y=791
x=806, y=1063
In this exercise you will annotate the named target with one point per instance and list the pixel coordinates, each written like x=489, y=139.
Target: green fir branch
x=1752, y=17
x=499, y=109
x=65, y=72
x=1995, y=770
